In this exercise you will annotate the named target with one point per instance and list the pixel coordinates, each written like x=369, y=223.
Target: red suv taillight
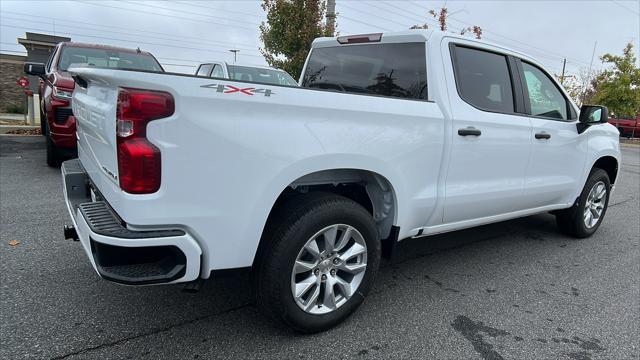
x=138, y=159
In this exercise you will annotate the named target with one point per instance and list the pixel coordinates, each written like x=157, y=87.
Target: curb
x=6, y=128
x=630, y=144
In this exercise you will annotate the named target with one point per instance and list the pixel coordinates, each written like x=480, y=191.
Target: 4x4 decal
x=229, y=89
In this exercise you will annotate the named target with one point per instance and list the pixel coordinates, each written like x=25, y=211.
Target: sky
x=182, y=34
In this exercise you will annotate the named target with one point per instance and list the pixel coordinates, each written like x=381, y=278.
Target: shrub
x=15, y=109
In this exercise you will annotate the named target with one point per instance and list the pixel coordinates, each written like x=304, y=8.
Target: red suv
x=56, y=88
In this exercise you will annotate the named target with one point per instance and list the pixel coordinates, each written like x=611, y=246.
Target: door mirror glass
x=591, y=114
x=36, y=69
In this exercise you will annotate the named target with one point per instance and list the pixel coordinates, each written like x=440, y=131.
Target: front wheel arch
x=610, y=165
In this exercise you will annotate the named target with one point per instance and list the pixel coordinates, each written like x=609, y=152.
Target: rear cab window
x=385, y=69
x=107, y=58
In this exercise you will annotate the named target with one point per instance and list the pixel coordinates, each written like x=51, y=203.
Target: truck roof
x=413, y=35
x=245, y=65
x=104, y=47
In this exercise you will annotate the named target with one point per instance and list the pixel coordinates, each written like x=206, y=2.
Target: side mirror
x=592, y=114
x=36, y=69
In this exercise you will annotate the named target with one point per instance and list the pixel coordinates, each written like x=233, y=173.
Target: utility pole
x=564, y=64
x=235, y=54
x=584, y=91
x=331, y=17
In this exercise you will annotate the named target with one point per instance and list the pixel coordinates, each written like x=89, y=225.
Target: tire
x=54, y=156
x=573, y=221
x=43, y=123
x=296, y=225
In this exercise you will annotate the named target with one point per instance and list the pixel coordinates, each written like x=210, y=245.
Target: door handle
x=543, y=135
x=470, y=131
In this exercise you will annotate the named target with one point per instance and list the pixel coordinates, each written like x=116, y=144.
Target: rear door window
x=217, y=71
x=483, y=79
x=396, y=70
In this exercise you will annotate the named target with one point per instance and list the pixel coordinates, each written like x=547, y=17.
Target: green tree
x=578, y=86
x=618, y=88
x=289, y=31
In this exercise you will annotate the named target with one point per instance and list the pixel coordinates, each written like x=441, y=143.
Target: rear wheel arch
x=371, y=190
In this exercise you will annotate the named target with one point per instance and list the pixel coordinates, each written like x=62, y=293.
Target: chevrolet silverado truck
x=250, y=73
x=56, y=87
x=390, y=136
x=628, y=126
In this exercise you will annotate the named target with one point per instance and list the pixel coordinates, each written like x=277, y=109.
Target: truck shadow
x=540, y=227
x=537, y=228
x=225, y=305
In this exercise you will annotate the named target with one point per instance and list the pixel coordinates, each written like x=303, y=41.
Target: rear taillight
x=138, y=159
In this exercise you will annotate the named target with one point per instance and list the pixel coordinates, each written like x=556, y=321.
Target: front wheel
x=43, y=123
x=54, y=155
x=321, y=261
x=584, y=218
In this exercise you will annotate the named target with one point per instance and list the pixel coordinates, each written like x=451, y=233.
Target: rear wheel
x=584, y=218
x=321, y=261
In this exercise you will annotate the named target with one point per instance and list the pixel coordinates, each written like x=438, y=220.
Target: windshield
x=107, y=58
x=396, y=69
x=253, y=74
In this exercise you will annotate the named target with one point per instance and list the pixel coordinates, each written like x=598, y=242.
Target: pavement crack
x=153, y=332
x=621, y=202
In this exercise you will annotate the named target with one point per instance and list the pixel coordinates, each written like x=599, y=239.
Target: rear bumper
x=122, y=255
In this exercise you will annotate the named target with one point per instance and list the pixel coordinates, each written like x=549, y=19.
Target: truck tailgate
x=94, y=107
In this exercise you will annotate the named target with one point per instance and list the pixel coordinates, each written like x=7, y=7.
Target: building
x=39, y=48
x=11, y=94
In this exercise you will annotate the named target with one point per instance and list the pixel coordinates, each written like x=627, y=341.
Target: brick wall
x=11, y=68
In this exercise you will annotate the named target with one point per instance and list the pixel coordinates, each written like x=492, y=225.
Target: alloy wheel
x=329, y=269
x=594, y=206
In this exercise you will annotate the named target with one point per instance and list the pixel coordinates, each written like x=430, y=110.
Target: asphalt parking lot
x=513, y=290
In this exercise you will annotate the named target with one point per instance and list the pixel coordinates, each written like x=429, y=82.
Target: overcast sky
x=182, y=34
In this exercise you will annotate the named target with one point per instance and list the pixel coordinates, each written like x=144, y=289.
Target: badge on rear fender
x=230, y=89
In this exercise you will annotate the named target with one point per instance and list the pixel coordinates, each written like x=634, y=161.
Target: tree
x=578, y=86
x=442, y=16
x=618, y=88
x=289, y=31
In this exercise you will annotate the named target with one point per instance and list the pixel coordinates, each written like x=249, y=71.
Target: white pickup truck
x=249, y=73
x=390, y=136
